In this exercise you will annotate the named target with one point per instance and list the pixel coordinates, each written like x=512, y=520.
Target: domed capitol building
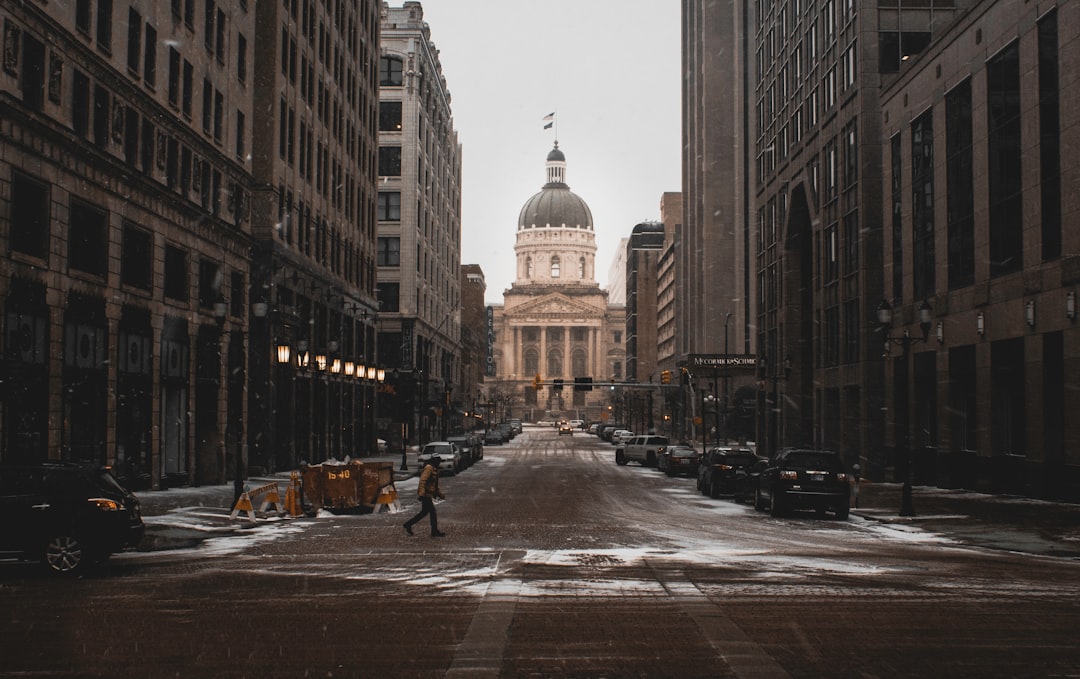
x=555, y=321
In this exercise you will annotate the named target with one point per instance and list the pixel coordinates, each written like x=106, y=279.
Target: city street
x=557, y=563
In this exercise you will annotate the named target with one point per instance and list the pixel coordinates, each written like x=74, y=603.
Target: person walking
x=427, y=490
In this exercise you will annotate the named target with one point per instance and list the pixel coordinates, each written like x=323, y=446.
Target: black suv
x=797, y=478
x=68, y=515
x=720, y=467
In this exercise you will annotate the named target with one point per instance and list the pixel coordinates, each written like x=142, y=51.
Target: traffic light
x=556, y=385
x=538, y=382
x=582, y=384
x=665, y=377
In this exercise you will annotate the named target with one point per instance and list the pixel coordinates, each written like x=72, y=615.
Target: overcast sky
x=609, y=68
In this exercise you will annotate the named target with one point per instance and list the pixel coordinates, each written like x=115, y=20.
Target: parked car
x=645, y=449
x=681, y=460
x=516, y=426
x=577, y=424
x=621, y=436
x=494, y=437
x=797, y=478
x=720, y=468
x=68, y=515
x=607, y=430
x=594, y=428
x=746, y=480
x=449, y=454
x=470, y=448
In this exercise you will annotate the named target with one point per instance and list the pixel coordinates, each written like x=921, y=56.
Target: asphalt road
x=557, y=563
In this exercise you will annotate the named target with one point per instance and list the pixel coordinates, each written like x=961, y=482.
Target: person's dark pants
x=427, y=508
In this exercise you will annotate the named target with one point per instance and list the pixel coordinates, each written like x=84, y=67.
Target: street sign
x=722, y=360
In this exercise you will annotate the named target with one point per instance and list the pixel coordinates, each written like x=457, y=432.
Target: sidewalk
x=1005, y=522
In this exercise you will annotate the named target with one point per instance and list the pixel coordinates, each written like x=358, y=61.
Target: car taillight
x=105, y=504
x=841, y=477
x=789, y=474
x=724, y=467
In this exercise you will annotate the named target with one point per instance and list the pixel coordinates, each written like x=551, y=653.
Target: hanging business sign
x=489, y=367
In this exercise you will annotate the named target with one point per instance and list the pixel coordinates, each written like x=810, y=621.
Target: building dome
x=555, y=206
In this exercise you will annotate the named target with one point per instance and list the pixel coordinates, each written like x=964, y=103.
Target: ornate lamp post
x=884, y=317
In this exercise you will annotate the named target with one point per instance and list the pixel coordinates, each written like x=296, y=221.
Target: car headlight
x=105, y=504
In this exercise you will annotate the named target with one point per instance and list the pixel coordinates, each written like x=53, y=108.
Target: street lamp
x=884, y=316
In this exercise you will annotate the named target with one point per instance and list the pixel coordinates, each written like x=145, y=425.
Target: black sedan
x=679, y=460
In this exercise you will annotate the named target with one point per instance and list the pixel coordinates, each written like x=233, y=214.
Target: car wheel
x=842, y=512
x=669, y=471
x=714, y=489
x=66, y=554
x=650, y=459
x=758, y=503
x=620, y=458
x=776, y=505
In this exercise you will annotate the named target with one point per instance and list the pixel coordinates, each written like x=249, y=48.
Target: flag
x=549, y=120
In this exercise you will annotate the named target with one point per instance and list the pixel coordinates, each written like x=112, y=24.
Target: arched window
x=528, y=267
x=578, y=362
x=581, y=268
x=555, y=269
x=532, y=362
x=554, y=363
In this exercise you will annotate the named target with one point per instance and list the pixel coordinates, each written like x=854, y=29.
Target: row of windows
x=88, y=238
x=315, y=237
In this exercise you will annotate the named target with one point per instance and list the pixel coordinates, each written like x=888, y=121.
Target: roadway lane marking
x=741, y=653
x=481, y=651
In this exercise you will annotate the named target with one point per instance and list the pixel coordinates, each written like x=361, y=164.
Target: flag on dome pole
x=549, y=120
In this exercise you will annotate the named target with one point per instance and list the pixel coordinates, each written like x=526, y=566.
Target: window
x=87, y=238
x=150, y=57
x=1049, y=136
x=33, y=72
x=389, y=251
x=960, y=186
x=207, y=105
x=176, y=273
x=209, y=283
x=134, y=40
x=174, y=77
x=237, y=293
x=104, y=26
x=1004, y=154
x=555, y=267
x=241, y=58
x=189, y=89
x=240, y=123
x=137, y=258
x=80, y=104
x=82, y=15
x=389, y=161
x=581, y=267
x=29, y=216
x=897, y=167
x=388, y=295
x=101, y=116
x=389, y=116
x=390, y=72
x=617, y=337
x=389, y=209
x=922, y=205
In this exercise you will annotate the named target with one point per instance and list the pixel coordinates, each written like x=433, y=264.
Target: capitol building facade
x=556, y=322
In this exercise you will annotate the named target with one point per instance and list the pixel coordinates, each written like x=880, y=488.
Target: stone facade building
x=555, y=322
x=126, y=232
x=419, y=231
x=980, y=236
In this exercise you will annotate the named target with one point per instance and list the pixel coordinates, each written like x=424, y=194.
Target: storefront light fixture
x=1070, y=305
x=320, y=361
x=335, y=366
x=361, y=371
x=1029, y=313
x=350, y=369
x=980, y=324
x=380, y=374
x=283, y=353
x=941, y=332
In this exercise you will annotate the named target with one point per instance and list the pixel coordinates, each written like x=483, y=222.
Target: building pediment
x=554, y=306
